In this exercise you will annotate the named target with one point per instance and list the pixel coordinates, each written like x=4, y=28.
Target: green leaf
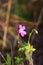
x=33, y=49
x=24, y=44
x=21, y=49
x=18, y=60
x=8, y=59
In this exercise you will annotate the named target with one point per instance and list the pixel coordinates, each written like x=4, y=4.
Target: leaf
x=21, y=49
x=29, y=50
x=33, y=49
x=19, y=60
x=8, y=59
x=28, y=47
x=24, y=44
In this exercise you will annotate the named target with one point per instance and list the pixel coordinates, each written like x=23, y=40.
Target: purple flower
x=22, y=30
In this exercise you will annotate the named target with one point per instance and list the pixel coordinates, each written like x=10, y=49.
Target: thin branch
x=2, y=57
x=7, y=22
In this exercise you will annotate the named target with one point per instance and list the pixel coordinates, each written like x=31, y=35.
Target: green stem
x=31, y=61
x=34, y=30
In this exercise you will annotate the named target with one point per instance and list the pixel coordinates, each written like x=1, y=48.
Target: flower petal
x=20, y=30
x=23, y=27
x=20, y=26
x=22, y=34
